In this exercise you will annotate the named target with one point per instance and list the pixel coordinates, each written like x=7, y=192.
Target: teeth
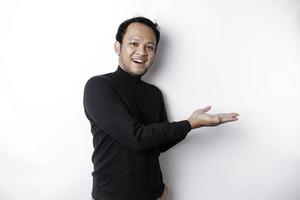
x=138, y=61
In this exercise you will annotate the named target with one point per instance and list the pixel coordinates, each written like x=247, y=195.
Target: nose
x=141, y=50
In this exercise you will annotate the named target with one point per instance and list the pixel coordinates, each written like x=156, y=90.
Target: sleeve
x=105, y=108
x=164, y=117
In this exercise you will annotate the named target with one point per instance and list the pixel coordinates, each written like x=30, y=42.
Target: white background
x=237, y=56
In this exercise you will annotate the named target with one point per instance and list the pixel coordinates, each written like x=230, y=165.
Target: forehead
x=140, y=31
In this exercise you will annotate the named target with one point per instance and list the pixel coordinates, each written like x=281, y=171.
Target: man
x=129, y=122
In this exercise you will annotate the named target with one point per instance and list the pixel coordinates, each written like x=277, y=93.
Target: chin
x=139, y=70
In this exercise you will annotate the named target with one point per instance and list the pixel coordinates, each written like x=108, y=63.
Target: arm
x=164, y=117
x=106, y=109
x=201, y=118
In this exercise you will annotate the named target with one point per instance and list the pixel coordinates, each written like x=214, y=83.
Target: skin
x=201, y=118
x=139, y=44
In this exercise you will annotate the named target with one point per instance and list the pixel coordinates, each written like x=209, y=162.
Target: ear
x=117, y=47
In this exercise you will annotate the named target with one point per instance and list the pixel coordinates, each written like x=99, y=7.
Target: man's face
x=137, y=51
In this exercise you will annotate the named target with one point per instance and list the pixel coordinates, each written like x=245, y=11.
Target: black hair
x=123, y=27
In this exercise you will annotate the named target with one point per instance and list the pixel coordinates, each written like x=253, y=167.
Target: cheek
x=151, y=56
x=126, y=56
x=127, y=51
x=130, y=50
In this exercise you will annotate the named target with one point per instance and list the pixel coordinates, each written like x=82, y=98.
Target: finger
x=230, y=120
x=229, y=117
x=207, y=108
x=232, y=115
x=233, y=118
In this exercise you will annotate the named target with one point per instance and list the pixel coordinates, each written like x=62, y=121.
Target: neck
x=130, y=73
x=126, y=76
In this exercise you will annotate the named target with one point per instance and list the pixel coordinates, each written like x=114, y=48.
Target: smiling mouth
x=138, y=61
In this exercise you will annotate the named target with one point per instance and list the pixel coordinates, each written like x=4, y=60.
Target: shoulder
x=99, y=79
x=151, y=87
x=101, y=82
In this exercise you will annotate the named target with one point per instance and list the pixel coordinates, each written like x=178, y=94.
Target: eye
x=135, y=44
x=150, y=47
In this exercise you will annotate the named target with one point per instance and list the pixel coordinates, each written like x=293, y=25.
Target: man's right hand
x=200, y=118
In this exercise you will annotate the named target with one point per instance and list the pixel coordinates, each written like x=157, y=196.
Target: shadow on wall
x=201, y=140
x=217, y=141
x=160, y=60
x=159, y=64
x=295, y=6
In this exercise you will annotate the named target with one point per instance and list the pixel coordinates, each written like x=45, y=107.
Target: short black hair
x=123, y=27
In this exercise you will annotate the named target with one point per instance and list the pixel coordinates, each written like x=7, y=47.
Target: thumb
x=207, y=108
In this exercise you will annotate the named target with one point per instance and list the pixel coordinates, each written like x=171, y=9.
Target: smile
x=138, y=61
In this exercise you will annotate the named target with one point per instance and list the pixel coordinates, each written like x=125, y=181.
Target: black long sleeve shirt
x=130, y=129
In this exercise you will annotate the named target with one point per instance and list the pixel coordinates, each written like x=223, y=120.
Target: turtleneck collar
x=126, y=76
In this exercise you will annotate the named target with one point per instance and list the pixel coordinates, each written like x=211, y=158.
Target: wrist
x=191, y=123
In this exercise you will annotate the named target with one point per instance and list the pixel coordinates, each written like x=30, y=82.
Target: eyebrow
x=138, y=39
